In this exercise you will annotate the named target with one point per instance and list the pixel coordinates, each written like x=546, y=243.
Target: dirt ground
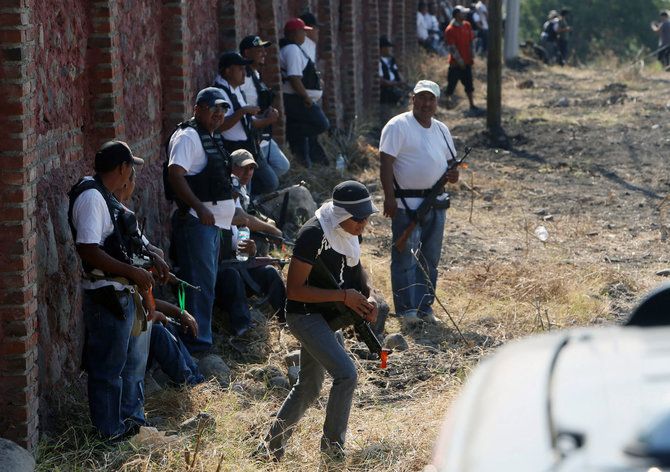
x=585, y=160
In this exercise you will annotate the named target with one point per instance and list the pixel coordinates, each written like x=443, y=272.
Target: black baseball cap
x=112, y=154
x=252, y=41
x=384, y=41
x=212, y=96
x=310, y=19
x=232, y=58
x=354, y=197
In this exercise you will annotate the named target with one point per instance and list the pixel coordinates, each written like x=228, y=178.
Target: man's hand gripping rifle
x=420, y=213
x=347, y=315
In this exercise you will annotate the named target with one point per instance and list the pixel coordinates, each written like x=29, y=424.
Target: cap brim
x=138, y=161
x=417, y=91
x=266, y=44
x=221, y=101
x=308, y=28
x=246, y=162
x=360, y=209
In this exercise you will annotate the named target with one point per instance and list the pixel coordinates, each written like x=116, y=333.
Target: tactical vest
x=125, y=240
x=266, y=95
x=386, y=70
x=310, y=75
x=211, y=184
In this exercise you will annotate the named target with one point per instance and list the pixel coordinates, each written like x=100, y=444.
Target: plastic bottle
x=541, y=233
x=339, y=163
x=242, y=235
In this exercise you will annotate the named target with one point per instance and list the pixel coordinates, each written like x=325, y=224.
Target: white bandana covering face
x=330, y=217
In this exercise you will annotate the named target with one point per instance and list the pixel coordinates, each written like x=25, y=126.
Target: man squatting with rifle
x=415, y=151
x=116, y=342
x=327, y=254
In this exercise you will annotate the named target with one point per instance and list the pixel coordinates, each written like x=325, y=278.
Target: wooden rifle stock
x=426, y=204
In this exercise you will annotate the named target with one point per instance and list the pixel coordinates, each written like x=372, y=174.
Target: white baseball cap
x=427, y=86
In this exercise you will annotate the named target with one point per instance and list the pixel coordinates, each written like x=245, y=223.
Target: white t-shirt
x=432, y=24
x=421, y=28
x=387, y=61
x=236, y=132
x=482, y=15
x=292, y=62
x=93, y=224
x=249, y=89
x=421, y=154
x=309, y=47
x=186, y=151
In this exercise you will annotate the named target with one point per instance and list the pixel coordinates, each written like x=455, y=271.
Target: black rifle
x=256, y=201
x=347, y=316
x=420, y=213
x=273, y=238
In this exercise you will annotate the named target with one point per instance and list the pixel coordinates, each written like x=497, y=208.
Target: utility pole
x=512, y=30
x=494, y=75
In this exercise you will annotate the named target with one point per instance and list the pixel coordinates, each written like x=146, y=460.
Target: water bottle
x=541, y=233
x=242, y=235
x=339, y=163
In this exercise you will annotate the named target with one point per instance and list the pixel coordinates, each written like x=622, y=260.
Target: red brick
x=17, y=346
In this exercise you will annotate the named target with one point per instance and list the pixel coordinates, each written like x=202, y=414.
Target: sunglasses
x=222, y=106
x=359, y=220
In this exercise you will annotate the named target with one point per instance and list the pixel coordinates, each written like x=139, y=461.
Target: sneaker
x=410, y=319
x=428, y=318
x=263, y=453
x=332, y=449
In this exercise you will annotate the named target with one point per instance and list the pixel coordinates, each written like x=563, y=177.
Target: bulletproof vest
x=125, y=240
x=310, y=75
x=266, y=96
x=211, y=184
x=386, y=70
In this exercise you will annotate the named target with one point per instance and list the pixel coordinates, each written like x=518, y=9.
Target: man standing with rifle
x=415, y=152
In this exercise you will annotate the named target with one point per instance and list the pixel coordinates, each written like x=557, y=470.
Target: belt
x=411, y=192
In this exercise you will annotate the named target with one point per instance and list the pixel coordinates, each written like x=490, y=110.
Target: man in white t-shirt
x=115, y=349
x=305, y=119
x=312, y=35
x=272, y=162
x=415, y=151
x=199, y=175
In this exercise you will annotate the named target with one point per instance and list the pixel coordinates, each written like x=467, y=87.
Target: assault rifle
x=145, y=261
x=418, y=215
x=273, y=237
x=260, y=199
x=347, y=316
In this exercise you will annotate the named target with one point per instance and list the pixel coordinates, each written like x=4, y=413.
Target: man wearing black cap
x=199, y=175
x=238, y=128
x=330, y=243
x=302, y=89
x=115, y=350
x=272, y=162
x=393, y=88
x=311, y=35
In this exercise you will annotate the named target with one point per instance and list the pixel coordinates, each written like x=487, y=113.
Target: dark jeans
x=231, y=297
x=197, y=254
x=464, y=75
x=320, y=352
x=271, y=284
x=303, y=125
x=116, y=366
x=172, y=356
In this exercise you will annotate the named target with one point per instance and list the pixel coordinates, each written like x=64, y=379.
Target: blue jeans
x=411, y=288
x=231, y=296
x=116, y=365
x=272, y=164
x=319, y=352
x=171, y=354
x=197, y=255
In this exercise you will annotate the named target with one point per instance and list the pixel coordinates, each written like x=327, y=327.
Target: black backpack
x=550, y=31
x=471, y=19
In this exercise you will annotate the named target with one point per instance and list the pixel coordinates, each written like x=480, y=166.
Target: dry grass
x=497, y=280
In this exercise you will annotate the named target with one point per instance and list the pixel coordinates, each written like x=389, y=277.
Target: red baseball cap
x=296, y=24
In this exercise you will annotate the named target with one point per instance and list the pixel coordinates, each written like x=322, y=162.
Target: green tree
x=599, y=26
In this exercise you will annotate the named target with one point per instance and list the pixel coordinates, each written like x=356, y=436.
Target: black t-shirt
x=310, y=244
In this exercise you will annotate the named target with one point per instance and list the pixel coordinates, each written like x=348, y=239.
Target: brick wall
x=75, y=74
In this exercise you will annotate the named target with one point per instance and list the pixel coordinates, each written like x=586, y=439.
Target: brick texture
x=75, y=74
